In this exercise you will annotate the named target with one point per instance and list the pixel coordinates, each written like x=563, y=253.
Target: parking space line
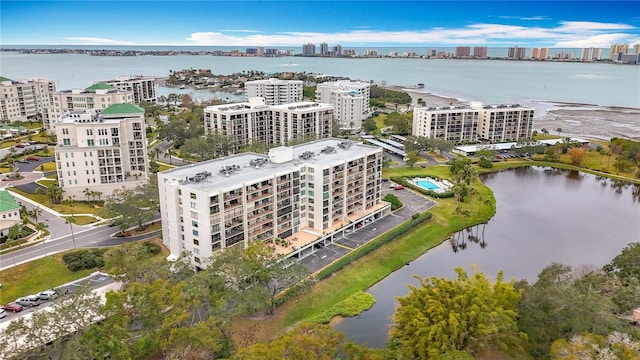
x=342, y=246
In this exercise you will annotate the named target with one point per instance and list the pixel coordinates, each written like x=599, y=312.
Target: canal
x=543, y=215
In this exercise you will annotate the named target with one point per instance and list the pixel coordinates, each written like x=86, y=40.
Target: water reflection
x=471, y=235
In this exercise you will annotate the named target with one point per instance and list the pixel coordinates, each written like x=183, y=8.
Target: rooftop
x=2, y=78
x=7, y=202
x=230, y=172
x=117, y=109
x=100, y=86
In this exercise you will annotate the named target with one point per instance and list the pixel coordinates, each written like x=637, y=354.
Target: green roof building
x=121, y=109
x=99, y=86
x=9, y=212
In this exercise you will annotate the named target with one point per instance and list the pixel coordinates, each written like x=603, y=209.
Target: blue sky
x=293, y=23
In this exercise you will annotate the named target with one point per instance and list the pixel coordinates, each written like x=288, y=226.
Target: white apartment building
x=275, y=91
x=255, y=122
x=492, y=123
x=144, y=88
x=97, y=96
x=294, y=198
x=591, y=54
x=102, y=150
x=350, y=99
x=25, y=99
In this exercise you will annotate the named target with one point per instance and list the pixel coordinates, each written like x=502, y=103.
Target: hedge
x=372, y=245
x=403, y=180
x=84, y=259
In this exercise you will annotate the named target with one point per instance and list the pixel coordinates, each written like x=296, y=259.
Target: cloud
x=98, y=41
x=240, y=30
x=524, y=18
x=566, y=34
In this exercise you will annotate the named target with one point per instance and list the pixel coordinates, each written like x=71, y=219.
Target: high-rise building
x=25, y=99
x=349, y=52
x=144, y=88
x=101, y=150
x=275, y=91
x=540, y=53
x=463, y=51
x=255, y=122
x=97, y=96
x=336, y=50
x=432, y=52
x=324, y=49
x=309, y=49
x=371, y=53
x=618, y=49
x=493, y=123
x=516, y=53
x=591, y=54
x=292, y=199
x=480, y=52
x=260, y=51
x=636, y=49
x=350, y=99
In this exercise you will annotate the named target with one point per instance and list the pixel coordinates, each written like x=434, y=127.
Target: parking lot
x=413, y=203
x=94, y=281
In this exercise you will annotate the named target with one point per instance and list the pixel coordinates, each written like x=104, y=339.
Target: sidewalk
x=55, y=213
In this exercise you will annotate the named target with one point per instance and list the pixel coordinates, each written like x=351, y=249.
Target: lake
x=543, y=216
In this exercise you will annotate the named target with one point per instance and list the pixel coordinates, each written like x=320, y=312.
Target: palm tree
x=55, y=194
x=35, y=213
x=14, y=232
x=97, y=194
x=559, y=130
x=70, y=220
x=41, y=227
x=87, y=192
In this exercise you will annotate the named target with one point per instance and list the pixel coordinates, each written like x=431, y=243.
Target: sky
x=563, y=24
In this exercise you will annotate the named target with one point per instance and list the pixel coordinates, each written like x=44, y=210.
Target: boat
x=183, y=87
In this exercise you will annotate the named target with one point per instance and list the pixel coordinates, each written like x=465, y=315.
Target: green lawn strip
x=379, y=120
x=79, y=207
x=351, y=306
x=84, y=220
x=35, y=276
x=49, y=166
x=365, y=272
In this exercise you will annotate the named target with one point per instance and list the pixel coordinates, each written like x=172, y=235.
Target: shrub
x=415, y=216
x=84, y=259
x=351, y=306
x=395, y=202
x=151, y=247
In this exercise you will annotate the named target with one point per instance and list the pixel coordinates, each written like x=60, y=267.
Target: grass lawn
x=365, y=272
x=36, y=276
x=379, y=122
x=49, y=166
x=84, y=220
x=79, y=208
x=163, y=166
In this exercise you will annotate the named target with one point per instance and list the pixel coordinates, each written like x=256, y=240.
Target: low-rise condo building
x=102, y=150
x=98, y=96
x=25, y=99
x=255, y=122
x=293, y=198
x=460, y=124
x=143, y=87
x=350, y=99
x=275, y=91
x=10, y=212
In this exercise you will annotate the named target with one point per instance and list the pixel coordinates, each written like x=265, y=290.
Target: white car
x=48, y=295
x=3, y=313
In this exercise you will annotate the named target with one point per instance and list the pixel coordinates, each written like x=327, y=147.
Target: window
x=90, y=142
x=196, y=242
x=194, y=232
x=65, y=131
x=89, y=132
x=193, y=196
x=66, y=142
x=194, y=205
x=194, y=224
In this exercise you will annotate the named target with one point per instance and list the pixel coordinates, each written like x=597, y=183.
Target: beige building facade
x=255, y=122
x=25, y=99
x=143, y=87
x=476, y=122
x=101, y=150
x=350, y=99
x=97, y=96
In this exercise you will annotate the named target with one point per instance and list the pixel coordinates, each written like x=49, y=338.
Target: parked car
x=399, y=187
x=3, y=313
x=48, y=295
x=33, y=158
x=13, y=307
x=23, y=160
x=26, y=143
x=30, y=300
x=20, y=146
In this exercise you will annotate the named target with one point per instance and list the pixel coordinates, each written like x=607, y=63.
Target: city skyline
x=358, y=23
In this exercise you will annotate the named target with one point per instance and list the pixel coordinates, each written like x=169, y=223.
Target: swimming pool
x=427, y=185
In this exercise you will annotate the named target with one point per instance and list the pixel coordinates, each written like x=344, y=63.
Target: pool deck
x=442, y=185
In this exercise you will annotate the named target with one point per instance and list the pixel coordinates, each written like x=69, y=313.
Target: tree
x=412, y=158
x=626, y=265
x=14, y=232
x=559, y=306
x=465, y=313
x=55, y=194
x=619, y=346
x=401, y=123
x=135, y=206
x=307, y=341
x=551, y=155
x=559, y=130
x=87, y=193
x=153, y=167
x=576, y=155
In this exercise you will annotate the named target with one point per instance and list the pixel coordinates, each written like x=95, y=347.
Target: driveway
x=33, y=165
